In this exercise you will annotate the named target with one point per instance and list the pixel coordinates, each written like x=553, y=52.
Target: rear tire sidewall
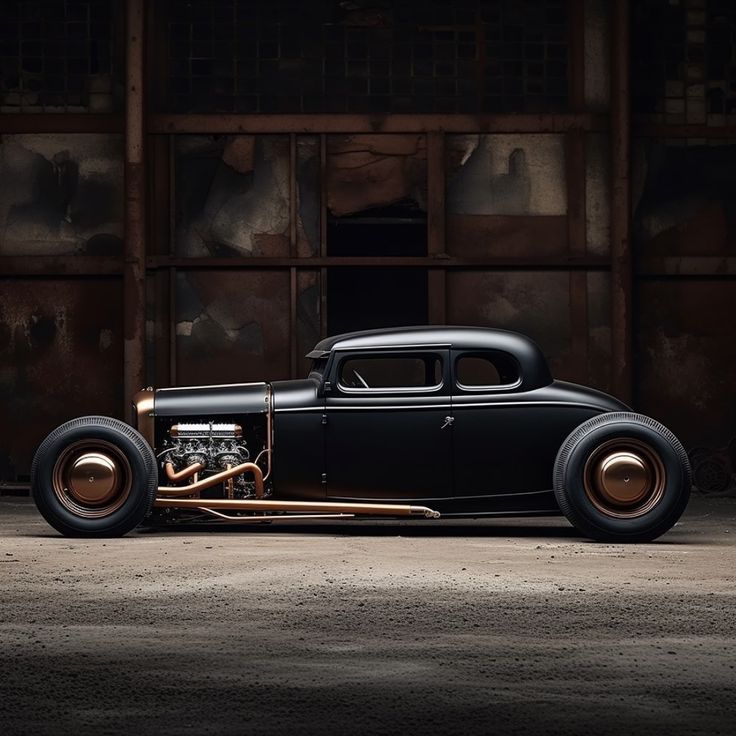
x=143, y=477
x=569, y=474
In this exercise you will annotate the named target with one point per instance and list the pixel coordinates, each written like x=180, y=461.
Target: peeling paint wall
x=367, y=171
x=66, y=195
x=232, y=195
x=506, y=195
x=506, y=175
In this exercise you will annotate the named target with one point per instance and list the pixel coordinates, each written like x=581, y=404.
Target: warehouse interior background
x=195, y=192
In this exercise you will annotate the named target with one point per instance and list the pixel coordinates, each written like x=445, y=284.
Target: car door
x=493, y=435
x=388, y=434
x=505, y=440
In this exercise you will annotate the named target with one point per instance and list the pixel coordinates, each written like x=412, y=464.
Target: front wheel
x=622, y=477
x=94, y=477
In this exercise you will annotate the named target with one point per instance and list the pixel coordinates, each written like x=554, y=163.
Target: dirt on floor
x=451, y=627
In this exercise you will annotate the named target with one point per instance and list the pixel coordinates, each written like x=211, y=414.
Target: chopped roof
x=531, y=359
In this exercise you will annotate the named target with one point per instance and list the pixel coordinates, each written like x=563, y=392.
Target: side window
x=486, y=369
x=412, y=372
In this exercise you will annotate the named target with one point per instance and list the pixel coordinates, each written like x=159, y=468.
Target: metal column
x=134, y=269
x=621, y=259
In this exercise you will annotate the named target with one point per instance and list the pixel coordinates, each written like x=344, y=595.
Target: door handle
x=448, y=422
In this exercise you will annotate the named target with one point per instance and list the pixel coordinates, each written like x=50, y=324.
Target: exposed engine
x=209, y=448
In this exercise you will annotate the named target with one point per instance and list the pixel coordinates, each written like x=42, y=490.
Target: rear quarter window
x=486, y=370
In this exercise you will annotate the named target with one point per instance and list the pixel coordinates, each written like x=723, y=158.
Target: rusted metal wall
x=314, y=167
x=61, y=353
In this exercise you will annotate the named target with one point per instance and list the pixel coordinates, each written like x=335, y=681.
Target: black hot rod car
x=426, y=421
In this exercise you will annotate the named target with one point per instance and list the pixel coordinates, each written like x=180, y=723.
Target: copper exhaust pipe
x=187, y=472
x=213, y=480
x=325, y=507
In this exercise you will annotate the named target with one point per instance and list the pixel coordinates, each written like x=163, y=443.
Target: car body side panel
x=298, y=450
x=506, y=443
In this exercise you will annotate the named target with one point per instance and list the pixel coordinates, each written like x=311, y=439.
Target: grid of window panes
x=59, y=56
x=366, y=57
x=684, y=62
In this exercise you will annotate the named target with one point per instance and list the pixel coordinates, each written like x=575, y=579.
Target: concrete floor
x=363, y=627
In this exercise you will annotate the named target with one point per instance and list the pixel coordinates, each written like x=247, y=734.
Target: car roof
x=531, y=359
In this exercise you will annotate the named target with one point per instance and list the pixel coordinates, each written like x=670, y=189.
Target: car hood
x=232, y=398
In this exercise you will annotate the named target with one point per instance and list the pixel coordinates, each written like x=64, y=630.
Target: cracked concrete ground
x=506, y=626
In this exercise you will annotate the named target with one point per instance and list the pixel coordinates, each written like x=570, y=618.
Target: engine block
x=216, y=446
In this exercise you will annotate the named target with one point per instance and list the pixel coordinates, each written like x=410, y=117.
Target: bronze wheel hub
x=92, y=478
x=624, y=478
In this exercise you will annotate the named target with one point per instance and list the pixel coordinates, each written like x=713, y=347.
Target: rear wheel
x=94, y=477
x=622, y=477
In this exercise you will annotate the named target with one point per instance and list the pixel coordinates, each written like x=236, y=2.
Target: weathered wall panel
x=686, y=352
x=61, y=356
x=687, y=200
x=232, y=195
x=370, y=171
x=232, y=326
x=506, y=196
x=536, y=303
x=66, y=195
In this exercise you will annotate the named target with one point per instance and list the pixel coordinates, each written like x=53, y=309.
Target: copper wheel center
x=624, y=478
x=92, y=478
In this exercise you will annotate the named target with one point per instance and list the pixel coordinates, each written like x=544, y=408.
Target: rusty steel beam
x=621, y=259
x=77, y=265
x=323, y=235
x=134, y=270
x=577, y=248
x=692, y=266
x=107, y=266
x=565, y=262
x=437, y=227
x=394, y=123
x=53, y=122
x=647, y=130
x=293, y=288
x=575, y=183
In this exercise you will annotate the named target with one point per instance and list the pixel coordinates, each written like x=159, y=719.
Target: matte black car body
x=497, y=455
x=427, y=442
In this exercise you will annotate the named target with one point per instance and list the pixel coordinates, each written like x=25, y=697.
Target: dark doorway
x=377, y=296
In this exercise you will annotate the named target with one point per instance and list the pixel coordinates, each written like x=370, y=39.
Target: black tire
x=583, y=490
x=131, y=484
